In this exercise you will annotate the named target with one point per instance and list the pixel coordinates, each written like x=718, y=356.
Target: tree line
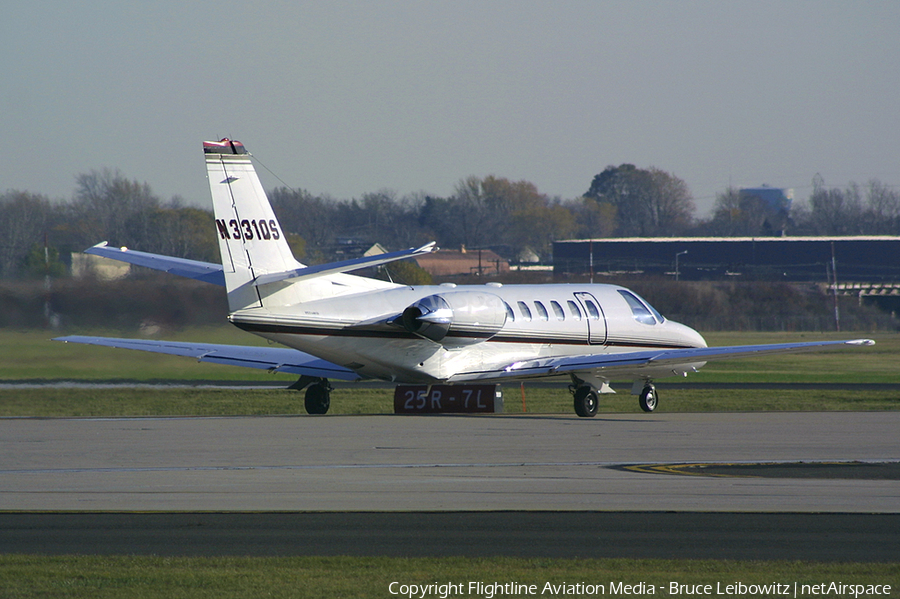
x=511, y=217
x=106, y=206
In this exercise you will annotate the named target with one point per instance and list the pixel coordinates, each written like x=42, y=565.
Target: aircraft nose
x=689, y=335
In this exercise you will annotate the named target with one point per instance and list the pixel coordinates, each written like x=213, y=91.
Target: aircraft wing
x=192, y=269
x=274, y=359
x=626, y=363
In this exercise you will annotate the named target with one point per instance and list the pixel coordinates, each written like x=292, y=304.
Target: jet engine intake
x=456, y=317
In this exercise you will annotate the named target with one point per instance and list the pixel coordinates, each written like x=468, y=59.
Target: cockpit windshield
x=640, y=309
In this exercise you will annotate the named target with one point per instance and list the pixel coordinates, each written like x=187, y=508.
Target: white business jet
x=345, y=327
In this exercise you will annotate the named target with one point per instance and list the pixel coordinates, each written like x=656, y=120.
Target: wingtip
x=99, y=246
x=861, y=342
x=428, y=247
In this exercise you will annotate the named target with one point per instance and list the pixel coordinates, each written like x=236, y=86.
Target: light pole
x=676, y=263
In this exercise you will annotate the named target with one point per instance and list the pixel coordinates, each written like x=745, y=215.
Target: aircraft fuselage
x=471, y=329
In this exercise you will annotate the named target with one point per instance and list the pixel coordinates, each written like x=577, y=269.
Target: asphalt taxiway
x=426, y=463
x=626, y=485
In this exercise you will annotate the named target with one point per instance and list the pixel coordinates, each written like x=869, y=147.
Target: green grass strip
x=99, y=577
x=128, y=401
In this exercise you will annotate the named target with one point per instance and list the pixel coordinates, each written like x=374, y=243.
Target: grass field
x=55, y=402
x=877, y=364
x=31, y=355
x=27, y=577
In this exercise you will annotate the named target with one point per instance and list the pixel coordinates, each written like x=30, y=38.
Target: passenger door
x=595, y=318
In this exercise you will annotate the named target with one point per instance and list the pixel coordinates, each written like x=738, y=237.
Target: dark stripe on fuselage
x=285, y=329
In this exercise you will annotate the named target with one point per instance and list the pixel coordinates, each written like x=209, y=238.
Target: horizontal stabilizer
x=343, y=266
x=192, y=269
x=213, y=273
x=274, y=359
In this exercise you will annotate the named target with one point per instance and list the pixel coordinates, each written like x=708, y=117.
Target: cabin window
x=557, y=310
x=525, y=311
x=639, y=309
x=593, y=312
x=510, y=315
x=541, y=310
x=574, y=310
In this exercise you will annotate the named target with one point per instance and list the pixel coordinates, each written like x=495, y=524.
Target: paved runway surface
x=447, y=485
x=437, y=463
x=814, y=537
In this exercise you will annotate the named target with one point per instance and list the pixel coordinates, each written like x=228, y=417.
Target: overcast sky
x=346, y=98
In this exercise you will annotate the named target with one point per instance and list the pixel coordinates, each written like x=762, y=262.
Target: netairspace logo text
x=491, y=590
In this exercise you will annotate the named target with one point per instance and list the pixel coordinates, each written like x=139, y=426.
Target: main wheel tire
x=648, y=399
x=317, y=399
x=586, y=402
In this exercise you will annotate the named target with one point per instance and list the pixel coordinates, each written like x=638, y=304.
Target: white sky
x=351, y=97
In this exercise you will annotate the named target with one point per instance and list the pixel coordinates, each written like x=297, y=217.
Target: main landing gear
x=318, y=393
x=586, y=401
x=586, y=398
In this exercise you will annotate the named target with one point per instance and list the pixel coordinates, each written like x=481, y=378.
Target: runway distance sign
x=448, y=399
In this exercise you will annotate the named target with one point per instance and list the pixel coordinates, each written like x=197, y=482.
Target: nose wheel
x=648, y=399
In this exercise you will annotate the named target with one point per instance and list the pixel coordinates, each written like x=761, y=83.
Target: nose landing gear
x=648, y=398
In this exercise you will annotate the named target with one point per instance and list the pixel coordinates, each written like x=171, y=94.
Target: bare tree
x=24, y=218
x=313, y=218
x=835, y=211
x=670, y=204
x=737, y=214
x=592, y=218
x=882, y=214
x=110, y=207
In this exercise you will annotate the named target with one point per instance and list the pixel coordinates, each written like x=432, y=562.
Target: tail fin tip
x=224, y=146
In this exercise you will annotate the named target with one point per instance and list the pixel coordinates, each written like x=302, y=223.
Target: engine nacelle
x=456, y=317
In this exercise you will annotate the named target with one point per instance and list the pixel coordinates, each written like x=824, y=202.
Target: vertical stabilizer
x=251, y=241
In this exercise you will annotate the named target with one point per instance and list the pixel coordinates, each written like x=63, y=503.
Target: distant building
x=462, y=262
x=375, y=250
x=347, y=248
x=105, y=269
x=528, y=256
x=874, y=259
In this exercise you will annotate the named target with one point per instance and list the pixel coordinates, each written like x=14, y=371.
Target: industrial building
x=862, y=259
